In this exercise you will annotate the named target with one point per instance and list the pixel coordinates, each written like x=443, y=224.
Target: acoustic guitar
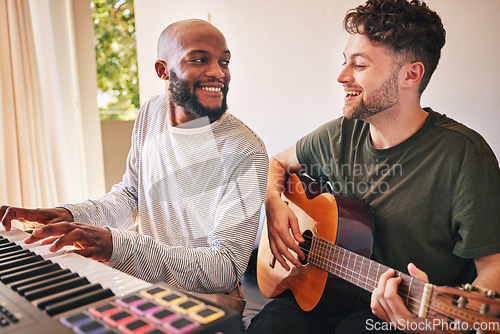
x=338, y=235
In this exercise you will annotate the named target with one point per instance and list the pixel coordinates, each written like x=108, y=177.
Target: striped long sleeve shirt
x=195, y=192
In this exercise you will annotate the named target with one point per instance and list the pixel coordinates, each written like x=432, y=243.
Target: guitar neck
x=361, y=271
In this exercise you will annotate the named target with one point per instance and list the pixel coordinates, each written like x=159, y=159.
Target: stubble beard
x=385, y=97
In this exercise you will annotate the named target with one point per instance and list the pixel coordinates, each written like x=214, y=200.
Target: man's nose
x=345, y=75
x=215, y=71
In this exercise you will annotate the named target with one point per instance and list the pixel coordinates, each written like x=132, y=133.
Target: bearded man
x=433, y=184
x=194, y=184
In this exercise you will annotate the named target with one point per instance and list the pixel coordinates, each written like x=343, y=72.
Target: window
x=116, y=57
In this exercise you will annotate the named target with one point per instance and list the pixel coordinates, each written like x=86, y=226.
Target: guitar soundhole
x=306, y=246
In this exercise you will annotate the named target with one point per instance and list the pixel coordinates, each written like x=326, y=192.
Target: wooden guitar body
x=339, y=220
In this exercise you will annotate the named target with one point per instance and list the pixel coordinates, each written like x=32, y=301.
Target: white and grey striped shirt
x=195, y=192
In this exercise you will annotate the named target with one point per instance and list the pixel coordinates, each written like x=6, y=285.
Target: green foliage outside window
x=115, y=46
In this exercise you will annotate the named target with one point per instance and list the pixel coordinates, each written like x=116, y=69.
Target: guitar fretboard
x=361, y=271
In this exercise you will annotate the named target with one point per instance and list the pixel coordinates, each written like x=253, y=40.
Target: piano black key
x=14, y=252
x=22, y=272
x=14, y=256
x=55, y=288
x=79, y=301
x=43, y=303
x=38, y=278
x=46, y=277
x=32, y=258
x=46, y=282
x=7, y=246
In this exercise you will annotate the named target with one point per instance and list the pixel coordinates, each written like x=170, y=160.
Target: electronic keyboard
x=60, y=292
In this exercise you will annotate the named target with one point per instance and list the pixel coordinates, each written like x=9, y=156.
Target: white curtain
x=43, y=148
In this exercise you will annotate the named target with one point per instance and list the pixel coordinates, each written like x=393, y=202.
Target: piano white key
x=99, y=273
x=96, y=272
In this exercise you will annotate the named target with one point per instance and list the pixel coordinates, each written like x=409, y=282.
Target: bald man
x=194, y=184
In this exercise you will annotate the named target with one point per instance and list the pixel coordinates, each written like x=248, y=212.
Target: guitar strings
x=341, y=251
x=369, y=282
x=410, y=301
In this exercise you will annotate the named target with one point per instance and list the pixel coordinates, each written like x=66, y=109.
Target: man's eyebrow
x=197, y=51
x=204, y=51
x=358, y=54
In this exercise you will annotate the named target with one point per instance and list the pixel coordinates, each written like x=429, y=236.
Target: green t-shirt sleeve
x=314, y=151
x=476, y=208
x=305, y=153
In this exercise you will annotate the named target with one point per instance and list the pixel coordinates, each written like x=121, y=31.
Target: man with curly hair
x=433, y=183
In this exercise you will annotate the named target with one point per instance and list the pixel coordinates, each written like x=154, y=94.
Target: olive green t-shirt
x=435, y=196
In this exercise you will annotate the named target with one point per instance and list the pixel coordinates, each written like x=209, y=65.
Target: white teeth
x=211, y=89
x=354, y=93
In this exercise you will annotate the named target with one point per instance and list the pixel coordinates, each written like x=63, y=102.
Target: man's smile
x=211, y=88
x=351, y=94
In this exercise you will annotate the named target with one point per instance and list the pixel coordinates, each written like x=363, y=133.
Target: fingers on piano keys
x=57, y=282
x=87, y=296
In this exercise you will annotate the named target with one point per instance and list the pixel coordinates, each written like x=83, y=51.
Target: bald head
x=171, y=38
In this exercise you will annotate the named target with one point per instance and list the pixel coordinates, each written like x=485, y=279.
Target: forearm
x=275, y=179
x=279, y=166
x=488, y=269
x=211, y=269
x=118, y=208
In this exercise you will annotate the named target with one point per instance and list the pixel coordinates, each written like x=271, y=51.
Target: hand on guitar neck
x=387, y=304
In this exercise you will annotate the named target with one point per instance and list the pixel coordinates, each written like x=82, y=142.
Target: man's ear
x=161, y=69
x=413, y=74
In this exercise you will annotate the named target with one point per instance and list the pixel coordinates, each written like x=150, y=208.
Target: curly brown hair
x=409, y=28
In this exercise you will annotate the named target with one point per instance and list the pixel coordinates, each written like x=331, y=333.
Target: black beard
x=183, y=97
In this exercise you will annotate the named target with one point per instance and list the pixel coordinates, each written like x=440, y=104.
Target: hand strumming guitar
x=280, y=219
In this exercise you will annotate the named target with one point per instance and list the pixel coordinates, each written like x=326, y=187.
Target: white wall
x=286, y=56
